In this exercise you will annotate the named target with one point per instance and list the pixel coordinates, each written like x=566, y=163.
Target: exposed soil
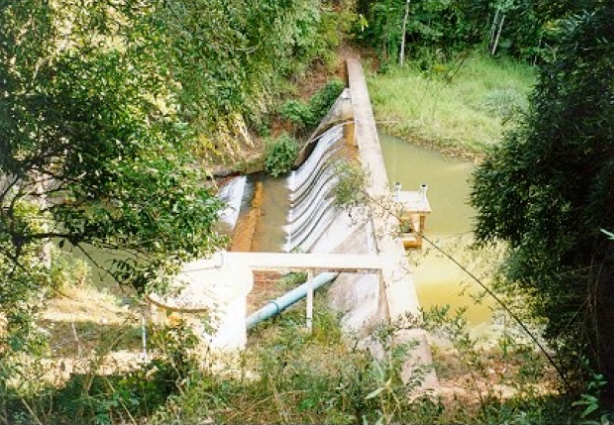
x=267, y=287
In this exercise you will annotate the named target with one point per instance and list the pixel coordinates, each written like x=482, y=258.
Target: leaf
x=375, y=393
x=590, y=409
x=610, y=235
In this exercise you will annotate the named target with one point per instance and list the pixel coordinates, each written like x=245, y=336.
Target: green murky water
x=438, y=280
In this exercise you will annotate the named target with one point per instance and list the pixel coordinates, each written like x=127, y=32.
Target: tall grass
x=291, y=376
x=288, y=375
x=463, y=106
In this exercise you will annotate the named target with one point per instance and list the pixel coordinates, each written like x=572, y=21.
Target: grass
x=288, y=375
x=462, y=106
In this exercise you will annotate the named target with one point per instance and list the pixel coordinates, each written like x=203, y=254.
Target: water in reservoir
x=439, y=281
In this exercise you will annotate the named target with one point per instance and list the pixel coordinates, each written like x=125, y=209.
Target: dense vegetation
x=461, y=106
x=431, y=30
x=548, y=190
x=288, y=375
x=108, y=111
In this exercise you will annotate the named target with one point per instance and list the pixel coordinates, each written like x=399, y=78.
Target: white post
x=397, y=191
x=309, y=321
x=144, y=335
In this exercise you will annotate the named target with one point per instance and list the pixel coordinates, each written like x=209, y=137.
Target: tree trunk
x=494, y=46
x=402, y=52
x=493, y=30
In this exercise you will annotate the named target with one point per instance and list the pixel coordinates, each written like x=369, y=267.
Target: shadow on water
x=439, y=281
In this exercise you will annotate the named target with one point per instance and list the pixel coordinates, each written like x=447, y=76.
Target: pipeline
x=280, y=304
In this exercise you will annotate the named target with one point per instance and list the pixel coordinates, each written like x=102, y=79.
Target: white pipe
x=286, y=300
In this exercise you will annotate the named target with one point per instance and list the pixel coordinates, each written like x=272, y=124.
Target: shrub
x=505, y=103
x=297, y=112
x=280, y=155
x=303, y=115
x=321, y=102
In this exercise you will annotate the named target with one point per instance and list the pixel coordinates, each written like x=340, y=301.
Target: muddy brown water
x=438, y=280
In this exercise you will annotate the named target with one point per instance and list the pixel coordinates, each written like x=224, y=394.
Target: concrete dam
x=357, y=250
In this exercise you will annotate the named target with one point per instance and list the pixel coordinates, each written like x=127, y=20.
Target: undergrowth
x=303, y=115
x=280, y=155
x=463, y=106
x=289, y=375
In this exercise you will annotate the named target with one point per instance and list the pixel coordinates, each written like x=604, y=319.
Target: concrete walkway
x=400, y=290
x=266, y=261
x=399, y=287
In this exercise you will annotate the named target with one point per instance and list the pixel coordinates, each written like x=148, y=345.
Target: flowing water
x=232, y=194
x=312, y=207
x=270, y=235
x=439, y=281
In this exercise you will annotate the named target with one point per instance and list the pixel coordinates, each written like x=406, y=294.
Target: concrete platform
x=271, y=261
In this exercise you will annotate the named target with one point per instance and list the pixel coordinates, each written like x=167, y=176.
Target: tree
x=426, y=27
x=107, y=110
x=226, y=55
x=549, y=189
x=94, y=154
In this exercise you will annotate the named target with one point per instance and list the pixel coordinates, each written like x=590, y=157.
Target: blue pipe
x=286, y=300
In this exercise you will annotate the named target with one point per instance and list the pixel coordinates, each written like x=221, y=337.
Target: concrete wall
x=368, y=299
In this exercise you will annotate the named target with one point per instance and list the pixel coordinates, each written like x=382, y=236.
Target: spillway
x=312, y=207
x=232, y=194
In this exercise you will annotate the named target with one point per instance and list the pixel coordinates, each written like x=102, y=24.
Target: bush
x=505, y=103
x=321, y=102
x=298, y=113
x=303, y=115
x=280, y=155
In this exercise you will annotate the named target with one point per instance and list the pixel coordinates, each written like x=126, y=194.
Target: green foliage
x=322, y=100
x=505, y=103
x=95, y=153
x=547, y=190
x=432, y=25
x=66, y=271
x=444, y=105
x=298, y=113
x=224, y=55
x=280, y=155
x=293, y=376
x=304, y=115
x=350, y=189
x=288, y=375
x=590, y=402
x=99, y=127
x=92, y=396
x=529, y=29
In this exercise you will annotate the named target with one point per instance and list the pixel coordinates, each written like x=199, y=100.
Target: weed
x=280, y=155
